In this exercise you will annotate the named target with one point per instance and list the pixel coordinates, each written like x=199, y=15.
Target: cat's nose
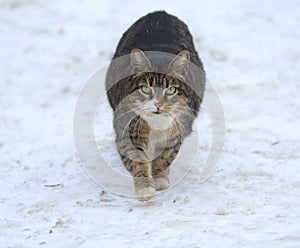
x=157, y=105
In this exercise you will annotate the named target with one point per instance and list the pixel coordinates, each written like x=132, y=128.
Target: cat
x=155, y=98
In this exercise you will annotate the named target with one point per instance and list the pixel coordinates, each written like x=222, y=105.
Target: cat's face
x=158, y=98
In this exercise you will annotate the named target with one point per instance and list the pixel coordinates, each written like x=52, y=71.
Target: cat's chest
x=158, y=140
x=159, y=124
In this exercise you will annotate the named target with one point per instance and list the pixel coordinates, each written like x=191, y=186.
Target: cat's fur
x=155, y=98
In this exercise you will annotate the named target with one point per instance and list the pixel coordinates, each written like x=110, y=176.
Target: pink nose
x=157, y=105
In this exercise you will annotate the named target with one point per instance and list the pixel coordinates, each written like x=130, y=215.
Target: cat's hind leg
x=161, y=180
x=161, y=164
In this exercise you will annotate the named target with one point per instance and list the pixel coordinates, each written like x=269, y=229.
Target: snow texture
x=251, y=53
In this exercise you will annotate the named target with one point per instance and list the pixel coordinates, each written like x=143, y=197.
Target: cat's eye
x=146, y=89
x=171, y=91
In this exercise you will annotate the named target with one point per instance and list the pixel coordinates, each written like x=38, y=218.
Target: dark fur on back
x=158, y=31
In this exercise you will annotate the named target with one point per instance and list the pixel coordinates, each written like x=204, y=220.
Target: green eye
x=171, y=91
x=146, y=89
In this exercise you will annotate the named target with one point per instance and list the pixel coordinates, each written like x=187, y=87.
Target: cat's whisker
x=125, y=113
x=185, y=110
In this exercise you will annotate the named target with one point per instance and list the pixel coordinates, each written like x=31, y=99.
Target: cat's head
x=159, y=98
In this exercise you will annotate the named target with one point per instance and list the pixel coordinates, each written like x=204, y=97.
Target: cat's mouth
x=157, y=112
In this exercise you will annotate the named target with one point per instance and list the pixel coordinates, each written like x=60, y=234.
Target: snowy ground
x=251, y=53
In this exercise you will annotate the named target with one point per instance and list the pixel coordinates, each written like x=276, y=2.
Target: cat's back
x=157, y=31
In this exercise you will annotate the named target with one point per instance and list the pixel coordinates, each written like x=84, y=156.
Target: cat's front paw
x=161, y=183
x=145, y=194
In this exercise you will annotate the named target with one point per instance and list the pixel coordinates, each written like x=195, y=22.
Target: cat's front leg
x=141, y=171
x=143, y=181
x=132, y=147
x=142, y=177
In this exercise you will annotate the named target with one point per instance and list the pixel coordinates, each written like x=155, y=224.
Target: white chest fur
x=159, y=122
x=157, y=141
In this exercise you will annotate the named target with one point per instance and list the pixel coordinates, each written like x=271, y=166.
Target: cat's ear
x=139, y=61
x=179, y=66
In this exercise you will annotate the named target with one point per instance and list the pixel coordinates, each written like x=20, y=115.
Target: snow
x=251, y=55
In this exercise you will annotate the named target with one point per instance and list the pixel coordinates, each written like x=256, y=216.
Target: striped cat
x=155, y=97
